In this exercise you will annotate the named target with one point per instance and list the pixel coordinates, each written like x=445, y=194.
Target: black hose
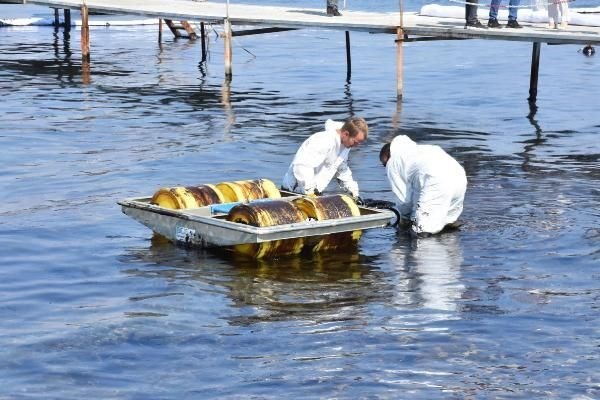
x=385, y=205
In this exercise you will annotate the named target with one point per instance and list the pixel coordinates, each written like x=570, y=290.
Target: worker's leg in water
x=432, y=210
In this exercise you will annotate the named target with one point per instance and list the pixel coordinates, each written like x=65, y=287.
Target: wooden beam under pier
x=259, y=31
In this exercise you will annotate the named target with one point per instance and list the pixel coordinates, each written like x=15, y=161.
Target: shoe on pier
x=493, y=23
x=513, y=24
x=333, y=12
x=475, y=24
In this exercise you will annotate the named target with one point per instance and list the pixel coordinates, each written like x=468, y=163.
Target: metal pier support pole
x=228, y=51
x=535, y=68
x=85, y=33
x=400, y=82
x=203, y=38
x=160, y=30
x=67, y=13
x=348, y=58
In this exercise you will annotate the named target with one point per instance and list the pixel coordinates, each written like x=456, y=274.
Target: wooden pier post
x=85, y=33
x=86, y=73
x=67, y=13
x=348, y=58
x=535, y=68
x=228, y=51
x=399, y=78
x=399, y=59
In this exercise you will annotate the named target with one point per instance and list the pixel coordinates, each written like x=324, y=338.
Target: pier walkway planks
x=298, y=17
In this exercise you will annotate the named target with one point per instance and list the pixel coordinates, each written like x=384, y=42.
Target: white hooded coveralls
x=429, y=183
x=321, y=157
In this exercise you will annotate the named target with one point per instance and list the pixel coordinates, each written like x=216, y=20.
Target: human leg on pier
x=558, y=13
x=513, y=9
x=553, y=15
x=564, y=13
x=493, y=21
x=332, y=8
x=471, y=19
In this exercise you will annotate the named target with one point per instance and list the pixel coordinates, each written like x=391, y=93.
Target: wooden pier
x=404, y=26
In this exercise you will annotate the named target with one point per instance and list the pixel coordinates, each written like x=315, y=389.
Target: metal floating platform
x=208, y=227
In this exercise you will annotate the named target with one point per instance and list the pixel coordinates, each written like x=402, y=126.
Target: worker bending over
x=430, y=185
x=323, y=156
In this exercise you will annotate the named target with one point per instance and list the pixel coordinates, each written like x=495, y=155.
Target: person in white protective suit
x=430, y=185
x=323, y=156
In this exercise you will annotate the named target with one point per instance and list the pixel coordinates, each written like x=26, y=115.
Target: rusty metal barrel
x=329, y=207
x=248, y=190
x=265, y=214
x=182, y=197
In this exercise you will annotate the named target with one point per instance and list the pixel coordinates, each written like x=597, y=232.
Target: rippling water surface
x=92, y=305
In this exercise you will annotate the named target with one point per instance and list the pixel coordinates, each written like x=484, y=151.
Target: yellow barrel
x=265, y=214
x=336, y=241
x=181, y=197
x=330, y=207
x=174, y=198
x=206, y=194
x=327, y=207
x=248, y=190
x=269, y=189
x=232, y=192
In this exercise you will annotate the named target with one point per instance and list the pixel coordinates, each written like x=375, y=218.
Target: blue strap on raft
x=223, y=208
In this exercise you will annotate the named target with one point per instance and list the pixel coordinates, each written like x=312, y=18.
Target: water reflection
x=66, y=44
x=229, y=113
x=531, y=144
x=318, y=287
x=349, y=99
x=427, y=273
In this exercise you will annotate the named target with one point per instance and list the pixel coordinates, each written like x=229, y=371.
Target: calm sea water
x=92, y=306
